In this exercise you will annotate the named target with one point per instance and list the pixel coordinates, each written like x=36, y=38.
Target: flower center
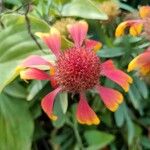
x=77, y=70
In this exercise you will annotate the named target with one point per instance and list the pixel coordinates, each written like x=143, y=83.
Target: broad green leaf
x=16, y=90
x=16, y=44
x=84, y=9
x=16, y=124
x=97, y=139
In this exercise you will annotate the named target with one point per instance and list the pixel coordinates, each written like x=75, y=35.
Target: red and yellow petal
x=52, y=40
x=111, y=98
x=141, y=62
x=48, y=102
x=144, y=11
x=85, y=115
x=145, y=69
x=93, y=45
x=32, y=73
x=136, y=29
x=133, y=65
x=121, y=29
x=116, y=75
x=78, y=32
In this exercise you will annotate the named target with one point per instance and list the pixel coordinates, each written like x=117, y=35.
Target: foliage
x=23, y=125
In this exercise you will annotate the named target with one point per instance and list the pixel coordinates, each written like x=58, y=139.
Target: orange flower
x=76, y=70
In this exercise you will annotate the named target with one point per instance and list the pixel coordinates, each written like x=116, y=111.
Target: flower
x=141, y=63
x=111, y=8
x=136, y=25
x=76, y=70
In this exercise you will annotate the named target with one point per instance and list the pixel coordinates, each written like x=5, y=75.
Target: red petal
x=116, y=75
x=110, y=97
x=33, y=61
x=107, y=65
x=52, y=40
x=85, y=115
x=54, y=83
x=78, y=32
x=32, y=73
x=93, y=45
x=48, y=102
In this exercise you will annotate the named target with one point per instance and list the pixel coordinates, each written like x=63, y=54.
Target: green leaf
x=145, y=142
x=58, y=111
x=16, y=124
x=16, y=90
x=97, y=139
x=16, y=44
x=145, y=121
x=130, y=128
x=84, y=9
x=135, y=97
x=119, y=116
x=126, y=7
x=111, y=52
x=14, y=2
x=64, y=101
x=142, y=87
x=34, y=89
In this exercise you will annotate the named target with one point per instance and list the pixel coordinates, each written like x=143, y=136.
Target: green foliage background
x=23, y=125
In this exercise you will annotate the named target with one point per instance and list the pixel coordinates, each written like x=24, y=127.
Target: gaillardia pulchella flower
x=136, y=25
x=76, y=70
x=141, y=63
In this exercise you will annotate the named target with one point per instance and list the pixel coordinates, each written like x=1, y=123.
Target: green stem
x=79, y=140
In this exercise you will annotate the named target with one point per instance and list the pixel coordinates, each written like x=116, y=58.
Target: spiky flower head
x=77, y=70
